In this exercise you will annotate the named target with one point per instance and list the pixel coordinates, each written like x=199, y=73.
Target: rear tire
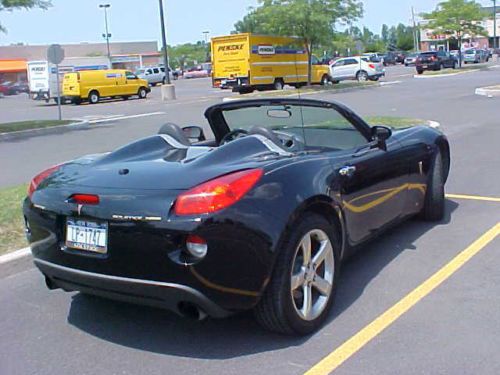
x=296, y=276
x=279, y=84
x=362, y=76
x=142, y=93
x=325, y=80
x=94, y=97
x=420, y=71
x=434, y=202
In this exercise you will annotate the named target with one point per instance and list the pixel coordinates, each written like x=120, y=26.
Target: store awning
x=12, y=66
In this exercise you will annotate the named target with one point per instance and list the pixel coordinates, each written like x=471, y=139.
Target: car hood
x=154, y=164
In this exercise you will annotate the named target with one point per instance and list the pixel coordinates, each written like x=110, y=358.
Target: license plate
x=87, y=235
x=424, y=66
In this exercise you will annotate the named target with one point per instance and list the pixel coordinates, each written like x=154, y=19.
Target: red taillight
x=37, y=180
x=89, y=199
x=371, y=66
x=217, y=194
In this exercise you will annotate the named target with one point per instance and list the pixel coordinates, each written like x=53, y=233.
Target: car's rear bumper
x=170, y=296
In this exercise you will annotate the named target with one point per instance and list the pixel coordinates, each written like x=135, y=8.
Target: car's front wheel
x=302, y=288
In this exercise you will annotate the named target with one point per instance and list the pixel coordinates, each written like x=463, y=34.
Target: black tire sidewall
x=435, y=198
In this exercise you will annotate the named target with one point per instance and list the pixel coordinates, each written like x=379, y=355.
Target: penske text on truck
x=245, y=62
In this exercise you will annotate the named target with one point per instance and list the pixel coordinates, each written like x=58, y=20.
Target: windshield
x=470, y=52
x=139, y=71
x=316, y=127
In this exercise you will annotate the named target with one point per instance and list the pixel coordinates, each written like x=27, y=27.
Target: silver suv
x=155, y=74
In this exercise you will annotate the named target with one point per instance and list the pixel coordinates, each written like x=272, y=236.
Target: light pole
x=205, y=34
x=495, y=41
x=167, y=90
x=107, y=35
x=164, y=43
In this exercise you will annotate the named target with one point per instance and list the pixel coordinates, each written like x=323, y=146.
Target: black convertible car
x=260, y=217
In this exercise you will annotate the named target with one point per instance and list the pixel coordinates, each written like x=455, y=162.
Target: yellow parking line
x=472, y=197
x=360, y=339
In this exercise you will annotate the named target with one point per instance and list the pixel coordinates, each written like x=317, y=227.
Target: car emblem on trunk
x=136, y=218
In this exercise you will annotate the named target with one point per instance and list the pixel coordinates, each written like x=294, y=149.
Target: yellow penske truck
x=245, y=62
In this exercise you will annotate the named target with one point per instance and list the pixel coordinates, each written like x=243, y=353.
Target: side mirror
x=380, y=134
x=194, y=133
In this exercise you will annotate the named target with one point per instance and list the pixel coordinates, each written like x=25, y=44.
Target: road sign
x=55, y=54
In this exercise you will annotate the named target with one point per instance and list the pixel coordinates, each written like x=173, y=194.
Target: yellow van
x=245, y=62
x=93, y=85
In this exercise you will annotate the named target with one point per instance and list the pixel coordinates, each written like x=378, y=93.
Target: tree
x=404, y=37
x=313, y=21
x=457, y=19
x=385, y=33
x=11, y=5
x=251, y=23
x=188, y=54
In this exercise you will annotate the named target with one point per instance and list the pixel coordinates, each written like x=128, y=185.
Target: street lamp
x=107, y=35
x=495, y=41
x=205, y=33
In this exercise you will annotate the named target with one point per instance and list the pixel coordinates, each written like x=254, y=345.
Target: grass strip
x=11, y=219
x=8, y=127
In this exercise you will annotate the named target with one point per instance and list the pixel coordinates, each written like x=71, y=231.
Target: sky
x=74, y=21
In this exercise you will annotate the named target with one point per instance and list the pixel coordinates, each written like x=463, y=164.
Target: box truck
x=42, y=78
x=245, y=62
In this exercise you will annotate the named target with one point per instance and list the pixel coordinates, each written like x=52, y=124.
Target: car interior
x=292, y=128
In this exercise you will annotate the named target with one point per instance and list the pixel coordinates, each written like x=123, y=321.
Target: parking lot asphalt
x=454, y=329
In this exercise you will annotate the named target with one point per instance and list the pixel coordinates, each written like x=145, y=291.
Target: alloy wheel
x=312, y=275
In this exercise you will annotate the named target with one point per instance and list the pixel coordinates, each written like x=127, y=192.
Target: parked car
x=411, y=59
x=9, y=88
x=434, y=60
x=155, y=74
x=372, y=57
x=475, y=56
x=22, y=86
x=400, y=57
x=93, y=85
x=390, y=58
x=355, y=68
x=260, y=217
x=196, y=72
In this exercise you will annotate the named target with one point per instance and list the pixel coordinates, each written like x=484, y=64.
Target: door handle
x=347, y=171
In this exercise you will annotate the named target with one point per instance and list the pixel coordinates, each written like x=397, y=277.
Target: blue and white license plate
x=87, y=235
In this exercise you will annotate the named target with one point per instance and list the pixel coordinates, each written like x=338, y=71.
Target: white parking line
x=111, y=118
x=389, y=83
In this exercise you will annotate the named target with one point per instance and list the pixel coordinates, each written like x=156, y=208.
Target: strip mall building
x=432, y=42
x=126, y=55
